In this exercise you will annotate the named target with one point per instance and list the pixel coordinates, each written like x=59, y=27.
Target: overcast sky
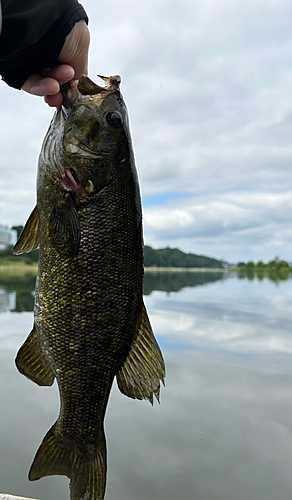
x=208, y=88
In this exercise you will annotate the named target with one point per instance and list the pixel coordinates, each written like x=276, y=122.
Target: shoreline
x=34, y=267
x=13, y=268
x=20, y=269
x=185, y=269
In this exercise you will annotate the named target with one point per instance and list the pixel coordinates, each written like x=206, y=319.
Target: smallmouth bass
x=90, y=320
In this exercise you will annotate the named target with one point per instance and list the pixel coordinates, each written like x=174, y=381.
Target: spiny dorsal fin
x=140, y=375
x=31, y=362
x=30, y=237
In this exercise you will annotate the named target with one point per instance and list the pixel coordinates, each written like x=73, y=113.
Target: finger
x=54, y=100
x=62, y=73
x=75, y=49
x=37, y=85
x=49, y=85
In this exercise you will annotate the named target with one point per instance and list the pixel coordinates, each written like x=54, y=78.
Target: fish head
x=95, y=137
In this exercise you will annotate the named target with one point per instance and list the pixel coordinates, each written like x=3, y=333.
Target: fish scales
x=91, y=294
x=90, y=321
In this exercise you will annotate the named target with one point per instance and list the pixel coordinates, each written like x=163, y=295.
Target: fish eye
x=114, y=119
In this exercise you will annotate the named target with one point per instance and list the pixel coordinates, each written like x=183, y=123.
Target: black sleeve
x=33, y=34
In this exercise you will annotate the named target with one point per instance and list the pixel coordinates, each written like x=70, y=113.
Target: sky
x=208, y=90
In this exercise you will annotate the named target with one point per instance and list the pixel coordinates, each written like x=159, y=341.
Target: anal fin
x=30, y=237
x=31, y=362
x=144, y=368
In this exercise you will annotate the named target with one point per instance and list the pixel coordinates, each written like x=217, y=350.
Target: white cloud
x=241, y=225
x=257, y=323
x=208, y=88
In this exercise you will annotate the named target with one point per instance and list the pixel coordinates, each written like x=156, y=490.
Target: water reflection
x=22, y=289
x=17, y=293
x=7, y=300
x=175, y=281
x=223, y=429
x=273, y=274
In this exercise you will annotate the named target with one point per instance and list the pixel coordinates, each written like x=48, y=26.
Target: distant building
x=7, y=236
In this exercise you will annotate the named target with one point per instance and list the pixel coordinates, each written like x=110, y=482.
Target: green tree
x=260, y=264
x=282, y=264
x=173, y=257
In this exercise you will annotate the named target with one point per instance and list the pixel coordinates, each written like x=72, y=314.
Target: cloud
x=208, y=88
x=251, y=222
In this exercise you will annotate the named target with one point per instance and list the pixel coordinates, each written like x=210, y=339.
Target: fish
x=90, y=321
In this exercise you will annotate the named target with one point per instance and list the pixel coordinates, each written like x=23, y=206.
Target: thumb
x=75, y=49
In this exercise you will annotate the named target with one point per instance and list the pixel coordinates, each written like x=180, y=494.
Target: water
x=223, y=428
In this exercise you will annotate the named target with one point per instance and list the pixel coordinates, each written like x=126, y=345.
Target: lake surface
x=223, y=428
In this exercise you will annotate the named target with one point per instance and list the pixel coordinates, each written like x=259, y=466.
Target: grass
x=12, y=267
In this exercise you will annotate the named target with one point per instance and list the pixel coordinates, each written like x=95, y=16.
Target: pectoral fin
x=30, y=237
x=64, y=224
x=140, y=376
x=31, y=362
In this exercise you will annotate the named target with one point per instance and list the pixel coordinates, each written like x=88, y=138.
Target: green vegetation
x=275, y=270
x=18, y=264
x=173, y=257
x=275, y=263
x=7, y=257
x=164, y=257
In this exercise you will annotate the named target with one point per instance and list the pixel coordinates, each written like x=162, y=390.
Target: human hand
x=73, y=59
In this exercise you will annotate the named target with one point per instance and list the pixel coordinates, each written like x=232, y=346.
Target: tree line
x=272, y=264
x=173, y=257
x=163, y=257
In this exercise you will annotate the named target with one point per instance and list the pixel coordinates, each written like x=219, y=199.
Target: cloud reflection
x=240, y=317
x=222, y=430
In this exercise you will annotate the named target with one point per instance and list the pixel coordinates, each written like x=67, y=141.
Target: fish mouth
x=70, y=93
x=85, y=87
x=88, y=87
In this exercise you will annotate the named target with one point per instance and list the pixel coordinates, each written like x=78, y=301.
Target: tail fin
x=54, y=456
x=85, y=468
x=88, y=475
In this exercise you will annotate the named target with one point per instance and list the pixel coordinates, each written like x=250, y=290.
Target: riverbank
x=17, y=268
x=154, y=269
x=21, y=268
